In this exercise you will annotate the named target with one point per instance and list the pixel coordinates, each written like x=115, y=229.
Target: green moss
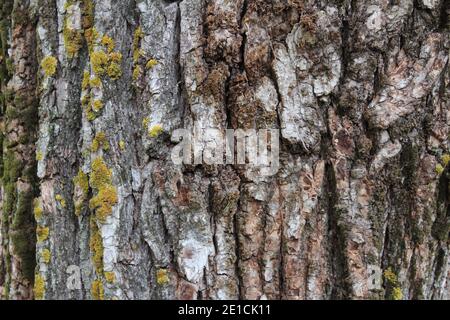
x=97, y=290
x=48, y=65
x=42, y=233
x=46, y=256
x=39, y=287
x=155, y=131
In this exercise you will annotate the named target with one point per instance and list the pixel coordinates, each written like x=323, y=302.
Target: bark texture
x=91, y=92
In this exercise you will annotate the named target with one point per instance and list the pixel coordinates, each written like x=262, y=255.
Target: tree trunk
x=94, y=207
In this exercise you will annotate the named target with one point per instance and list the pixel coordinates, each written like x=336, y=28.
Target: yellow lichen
x=151, y=63
x=73, y=40
x=37, y=209
x=116, y=57
x=95, y=82
x=439, y=169
x=39, y=156
x=146, y=122
x=97, y=105
x=91, y=116
x=393, y=284
x=46, y=255
x=155, y=131
x=100, y=141
x=48, y=65
x=99, y=60
x=108, y=42
x=39, y=287
x=61, y=200
x=81, y=181
x=106, y=194
x=85, y=83
x=137, y=72
x=100, y=175
x=114, y=71
x=96, y=246
x=110, y=276
x=97, y=290
x=162, y=277
x=122, y=145
x=42, y=233
x=445, y=159
x=103, y=202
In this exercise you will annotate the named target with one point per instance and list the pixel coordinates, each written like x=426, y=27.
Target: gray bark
x=358, y=90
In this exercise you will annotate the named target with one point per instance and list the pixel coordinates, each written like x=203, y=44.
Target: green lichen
x=42, y=233
x=48, y=65
x=39, y=287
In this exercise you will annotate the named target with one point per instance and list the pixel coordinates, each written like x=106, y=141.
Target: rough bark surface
x=91, y=92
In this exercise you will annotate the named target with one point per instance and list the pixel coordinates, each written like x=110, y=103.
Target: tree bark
x=93, y=90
